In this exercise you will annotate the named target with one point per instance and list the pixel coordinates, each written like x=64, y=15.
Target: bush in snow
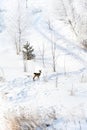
x=84, y=44
x=2, y=76
x=28, y=52
x=83, y=78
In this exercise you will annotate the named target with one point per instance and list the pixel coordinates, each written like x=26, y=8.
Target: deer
x=36, y=75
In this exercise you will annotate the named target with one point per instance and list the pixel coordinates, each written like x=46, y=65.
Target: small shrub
x=2, y=75
x=72, y=91
x=84, y=44
x=83, y=78
x=28, y=52
x=2, y=79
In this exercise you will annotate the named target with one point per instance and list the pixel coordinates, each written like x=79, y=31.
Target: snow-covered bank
x=56, y=101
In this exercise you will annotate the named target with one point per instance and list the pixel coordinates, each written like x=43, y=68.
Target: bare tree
x=56, y=81
x=25, y=64
x=26, y=3
x=54, y=56
x=42, y=53
x=68, y=15
x=21, y=24
x=64, y=64
x=25, y=59
x=18, y=25
x=53, y=46
x=19, y=28
x=74, y=20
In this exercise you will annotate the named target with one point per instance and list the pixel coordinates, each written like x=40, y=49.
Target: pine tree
x=28, y=52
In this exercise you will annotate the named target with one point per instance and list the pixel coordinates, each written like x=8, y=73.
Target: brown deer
x=36, y=75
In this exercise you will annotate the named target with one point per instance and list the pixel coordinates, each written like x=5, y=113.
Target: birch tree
x=53, y=46
x=17, y=25
x=42, y=53
x=26, y=3
x=54, y=56
x=67, y=14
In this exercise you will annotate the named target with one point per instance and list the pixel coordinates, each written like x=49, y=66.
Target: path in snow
x=73, y=50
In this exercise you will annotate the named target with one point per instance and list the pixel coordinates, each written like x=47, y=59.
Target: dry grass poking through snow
x=30, y=122
x=23, y=123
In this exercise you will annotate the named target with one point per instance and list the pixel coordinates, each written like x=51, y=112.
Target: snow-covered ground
x=57, y=101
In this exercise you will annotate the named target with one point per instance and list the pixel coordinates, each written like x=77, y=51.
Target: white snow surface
x=62, y=93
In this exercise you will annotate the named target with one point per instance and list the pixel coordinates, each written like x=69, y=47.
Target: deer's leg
x=34, y=78
x=38, y=77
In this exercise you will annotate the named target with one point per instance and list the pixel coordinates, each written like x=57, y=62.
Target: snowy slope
x=58, y=99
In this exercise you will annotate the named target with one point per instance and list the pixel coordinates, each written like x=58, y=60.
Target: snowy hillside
x=57, y=100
